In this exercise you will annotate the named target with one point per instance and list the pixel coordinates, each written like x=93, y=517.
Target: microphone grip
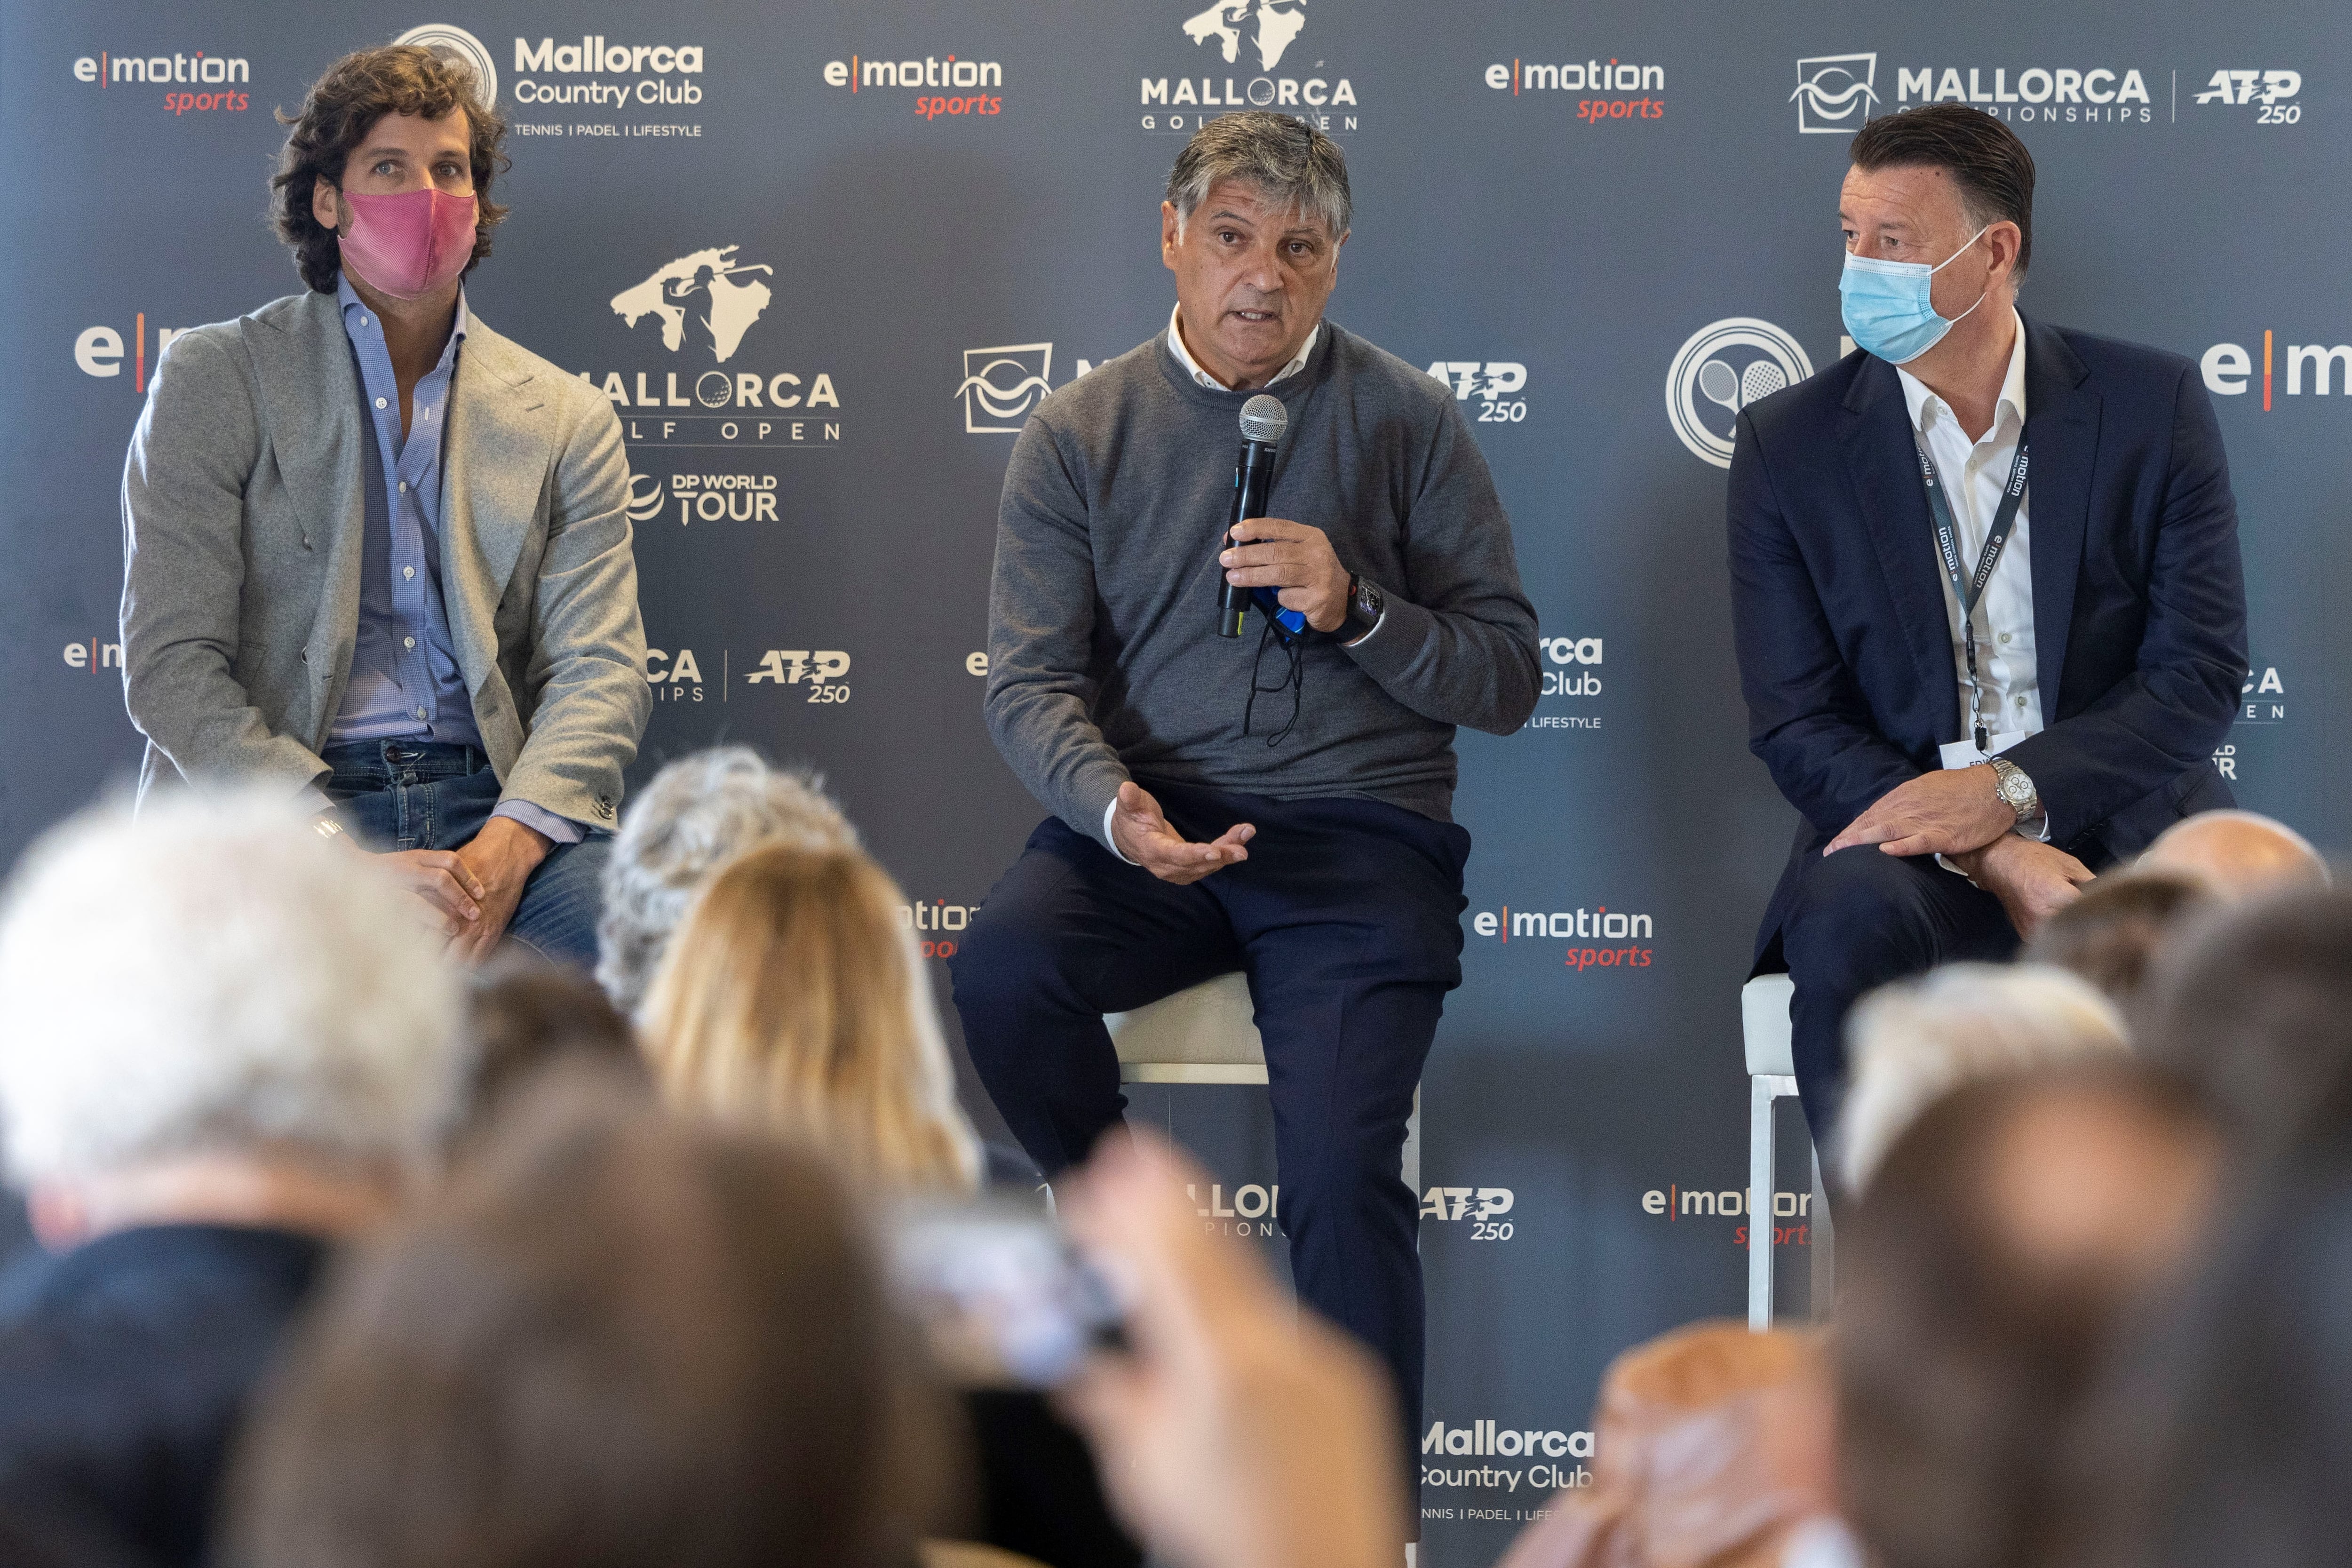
x=1252, y=477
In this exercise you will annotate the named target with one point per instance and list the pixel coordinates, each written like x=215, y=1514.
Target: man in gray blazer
x=378, y=555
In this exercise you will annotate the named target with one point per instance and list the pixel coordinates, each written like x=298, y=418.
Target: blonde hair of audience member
x=1916, y=1041
x=698, y=812
x=793, y=1001
x=2235, y=854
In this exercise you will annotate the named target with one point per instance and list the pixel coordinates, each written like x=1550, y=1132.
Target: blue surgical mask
x=1888, y=305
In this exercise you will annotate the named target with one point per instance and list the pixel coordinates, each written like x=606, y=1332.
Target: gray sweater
x=1103, y=657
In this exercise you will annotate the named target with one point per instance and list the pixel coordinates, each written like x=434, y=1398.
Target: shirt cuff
x=1110, y=843
x=2034, y=827
x=540, y=820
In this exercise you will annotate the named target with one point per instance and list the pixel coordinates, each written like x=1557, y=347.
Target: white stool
x=1772, y=1073
x=1208, y=1034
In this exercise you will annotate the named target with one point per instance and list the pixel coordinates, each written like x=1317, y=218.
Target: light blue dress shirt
x=405, y=683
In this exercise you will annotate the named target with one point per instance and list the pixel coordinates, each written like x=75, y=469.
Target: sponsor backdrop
x=825, y=259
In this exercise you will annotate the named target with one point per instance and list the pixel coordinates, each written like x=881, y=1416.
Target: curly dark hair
x=341, y=108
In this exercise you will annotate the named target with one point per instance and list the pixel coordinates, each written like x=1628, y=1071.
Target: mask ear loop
x=1963, y=250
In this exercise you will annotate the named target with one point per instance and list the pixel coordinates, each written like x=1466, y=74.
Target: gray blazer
x=242, y=529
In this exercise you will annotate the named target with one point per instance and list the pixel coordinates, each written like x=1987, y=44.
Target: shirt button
x=2021, y=702
x=411, y=571
x=379, y=403
x=2004, y=636
x=411, y=642
x=404, y=487
x=420, y=712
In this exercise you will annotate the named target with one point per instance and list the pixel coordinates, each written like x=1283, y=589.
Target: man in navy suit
x=1986, y=592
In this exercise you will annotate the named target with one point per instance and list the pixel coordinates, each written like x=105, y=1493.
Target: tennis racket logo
x=1719, y=371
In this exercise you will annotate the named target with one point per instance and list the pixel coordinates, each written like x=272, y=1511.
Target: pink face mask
x=409, y=244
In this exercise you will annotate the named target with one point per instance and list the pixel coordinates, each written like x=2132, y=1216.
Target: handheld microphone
x=1264, y=419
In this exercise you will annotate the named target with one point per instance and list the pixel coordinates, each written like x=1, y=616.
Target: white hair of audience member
x=700, y=810
x=1911, y=1043
x=213, y=977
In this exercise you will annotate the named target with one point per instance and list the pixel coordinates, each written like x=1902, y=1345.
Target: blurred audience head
x=523, y=1015
x=2236, y=854
x=1986, y=1275
x=614, y=1339
x=699, y=811
x=2254, y=1005
x=1912, y=1042
x=793, y=1002
x=1714, y=1448
x=208, y=1012
x=2108, y=935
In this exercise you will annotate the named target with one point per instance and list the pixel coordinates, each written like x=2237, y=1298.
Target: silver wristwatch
x=2016, y=789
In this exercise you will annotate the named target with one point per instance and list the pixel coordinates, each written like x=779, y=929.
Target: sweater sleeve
x=1041, y=603
x=1458, y=643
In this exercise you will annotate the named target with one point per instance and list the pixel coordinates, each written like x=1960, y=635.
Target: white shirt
x=1184, y=357
x=1973, y=474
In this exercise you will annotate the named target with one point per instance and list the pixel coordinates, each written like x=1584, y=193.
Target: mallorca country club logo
x=732, y=298
x=457, y=44
x=1728, y=363
x=1002, y=385
x=1834, y=93
x=1272, y=26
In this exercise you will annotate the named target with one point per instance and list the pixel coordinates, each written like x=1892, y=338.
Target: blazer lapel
x=492, y=472
x=310, y=397
x=2062, y=424
x=1881, y=464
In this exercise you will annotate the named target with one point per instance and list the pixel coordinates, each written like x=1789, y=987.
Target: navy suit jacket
x=2139, y=606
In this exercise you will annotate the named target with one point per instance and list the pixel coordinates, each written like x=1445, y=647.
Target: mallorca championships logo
x=1728, y=363
x=1834, y=93
x=1266, y=30
x=1002, y=384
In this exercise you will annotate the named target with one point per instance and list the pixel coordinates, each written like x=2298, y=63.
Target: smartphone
x=1001, y=1296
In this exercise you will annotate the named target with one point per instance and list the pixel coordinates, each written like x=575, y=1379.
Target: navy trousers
x=426, y=795
x=1860, y=918
x=1347, y=920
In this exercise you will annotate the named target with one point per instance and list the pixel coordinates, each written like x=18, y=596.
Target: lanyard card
x=1964, y=753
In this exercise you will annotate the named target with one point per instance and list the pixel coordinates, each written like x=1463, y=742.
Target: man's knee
x=1861, y=896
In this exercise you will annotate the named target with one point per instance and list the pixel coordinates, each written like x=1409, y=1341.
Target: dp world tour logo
x=1834, y=93
x=1001, y=385
x=457, y=44
x=1726, y=366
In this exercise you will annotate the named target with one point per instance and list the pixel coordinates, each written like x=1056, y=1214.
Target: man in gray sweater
x=1278, y=805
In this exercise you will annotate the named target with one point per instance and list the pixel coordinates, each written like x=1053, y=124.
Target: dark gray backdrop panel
x=1504, y=232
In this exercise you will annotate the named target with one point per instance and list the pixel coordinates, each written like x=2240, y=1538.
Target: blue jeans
x=425, y=794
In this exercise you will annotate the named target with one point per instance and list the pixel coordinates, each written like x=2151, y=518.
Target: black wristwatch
x=1365, y=606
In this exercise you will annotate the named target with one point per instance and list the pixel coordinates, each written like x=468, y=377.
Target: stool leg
x=1760, y=1202
x=1824, y=1238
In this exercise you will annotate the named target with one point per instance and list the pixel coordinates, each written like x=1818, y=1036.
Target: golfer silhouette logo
x=1720, y=370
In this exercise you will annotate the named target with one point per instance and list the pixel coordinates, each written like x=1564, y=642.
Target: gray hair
x=1916, y=1041
x=1293, y=166
x=213, y=977
x=700, y=810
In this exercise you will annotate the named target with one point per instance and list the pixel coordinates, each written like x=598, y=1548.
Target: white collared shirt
x=1184, y=355
x=1973, y=474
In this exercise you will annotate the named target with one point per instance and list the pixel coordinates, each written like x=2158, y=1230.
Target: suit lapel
x=317, y=438
x=1881, y=464
x=491, y=468
x=2062, y=421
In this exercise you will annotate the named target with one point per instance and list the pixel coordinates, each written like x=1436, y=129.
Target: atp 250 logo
x=1494, y=382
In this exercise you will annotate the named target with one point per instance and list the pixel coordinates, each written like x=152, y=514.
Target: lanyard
x=1966, y=587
